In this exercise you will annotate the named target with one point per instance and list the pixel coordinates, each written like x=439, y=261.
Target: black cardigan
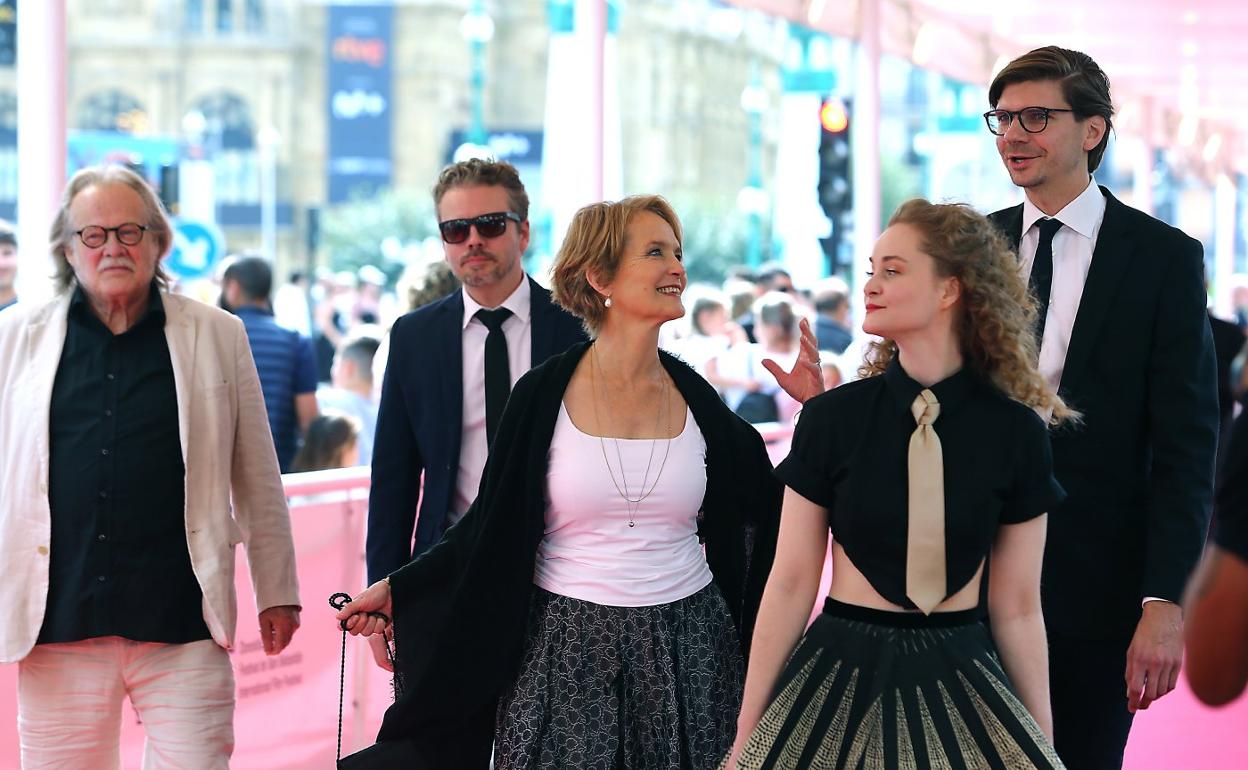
x=460, y=610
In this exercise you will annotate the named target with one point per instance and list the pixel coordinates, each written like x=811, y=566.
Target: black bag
x=388, y=755
x=758, y=407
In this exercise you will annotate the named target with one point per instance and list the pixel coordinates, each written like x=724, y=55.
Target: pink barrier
x=287, y=706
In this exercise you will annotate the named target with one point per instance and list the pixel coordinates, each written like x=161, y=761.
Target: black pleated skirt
x=623, y=688
x=874, y=689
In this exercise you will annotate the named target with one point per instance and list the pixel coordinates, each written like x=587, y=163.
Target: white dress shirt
x=1073, y=246
x=1072, y=256
x=474, y=448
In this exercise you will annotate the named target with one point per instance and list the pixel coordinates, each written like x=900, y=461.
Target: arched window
x=112, y=111
x=227, y=134
x=227, y=119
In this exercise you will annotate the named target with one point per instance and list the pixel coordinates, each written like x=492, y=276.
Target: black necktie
x=1041, y=282
x=497, y=368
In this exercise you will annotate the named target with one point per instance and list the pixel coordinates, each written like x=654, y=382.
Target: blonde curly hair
x=997, y=317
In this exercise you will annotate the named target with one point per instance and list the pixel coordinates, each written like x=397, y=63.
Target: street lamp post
x=197, y=199
x=752, y=199
x=268, y=140
x=478, y=29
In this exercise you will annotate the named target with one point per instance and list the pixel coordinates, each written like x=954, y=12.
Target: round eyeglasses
x=94, y=236
x=1032, y=119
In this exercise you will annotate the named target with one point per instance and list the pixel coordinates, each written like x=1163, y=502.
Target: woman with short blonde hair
x=594, y=245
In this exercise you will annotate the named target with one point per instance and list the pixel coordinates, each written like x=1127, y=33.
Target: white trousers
x=70, y=697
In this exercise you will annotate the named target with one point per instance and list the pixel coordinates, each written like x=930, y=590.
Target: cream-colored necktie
x=925, y=534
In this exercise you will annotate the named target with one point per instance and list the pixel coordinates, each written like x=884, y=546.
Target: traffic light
x=836, y=187
x=169, y=188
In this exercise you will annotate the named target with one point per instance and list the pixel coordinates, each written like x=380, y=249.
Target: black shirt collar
x=950, y=392
x=80, y=308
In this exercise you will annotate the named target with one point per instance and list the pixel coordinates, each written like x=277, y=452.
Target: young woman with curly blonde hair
x=929, y=466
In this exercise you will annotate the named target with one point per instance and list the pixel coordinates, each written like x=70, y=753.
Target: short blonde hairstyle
x=476, y=172
x=62, y=233
x=593, y=245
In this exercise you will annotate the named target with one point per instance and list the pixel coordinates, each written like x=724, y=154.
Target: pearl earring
x=607, y=303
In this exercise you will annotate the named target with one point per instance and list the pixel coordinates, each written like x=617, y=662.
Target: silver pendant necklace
x=631, y=504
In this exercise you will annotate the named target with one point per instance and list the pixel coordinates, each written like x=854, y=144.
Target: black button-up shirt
x=119, y=562
x=850, y=455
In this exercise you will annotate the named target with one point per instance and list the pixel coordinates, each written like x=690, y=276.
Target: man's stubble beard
x=495, y=274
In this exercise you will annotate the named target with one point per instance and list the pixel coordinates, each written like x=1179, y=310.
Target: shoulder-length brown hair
x=328, y=436
x=996, y=315
x=594, y=244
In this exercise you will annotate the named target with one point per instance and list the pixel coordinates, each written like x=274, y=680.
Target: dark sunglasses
x=489, y=225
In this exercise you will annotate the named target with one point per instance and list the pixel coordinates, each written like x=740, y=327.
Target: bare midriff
x=850, y=586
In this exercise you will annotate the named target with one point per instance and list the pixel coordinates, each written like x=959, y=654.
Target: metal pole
x=1224, y=195
x=753, y=250
x=1142, y=163
x=476, y=47
x=268, y=141
x=866, y=142
x=594, y=13
x=41, y=149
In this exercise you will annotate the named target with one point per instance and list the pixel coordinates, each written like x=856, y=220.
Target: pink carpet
x=1177, y=733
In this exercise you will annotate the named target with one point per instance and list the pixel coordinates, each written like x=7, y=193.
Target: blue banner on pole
x=359, y=90
x=519, y=148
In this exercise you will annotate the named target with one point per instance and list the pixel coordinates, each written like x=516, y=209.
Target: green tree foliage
x=352, y=233
x=899, y=182
x=716, y=238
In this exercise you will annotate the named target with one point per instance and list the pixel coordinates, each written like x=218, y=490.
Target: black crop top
x=849, y=455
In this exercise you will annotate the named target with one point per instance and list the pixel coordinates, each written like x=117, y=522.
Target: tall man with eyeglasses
x=453, y=362
x=1124, y=336
x=136, y=457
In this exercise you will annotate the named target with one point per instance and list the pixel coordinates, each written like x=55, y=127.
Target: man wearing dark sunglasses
x=1123, y=334
x=452, y=364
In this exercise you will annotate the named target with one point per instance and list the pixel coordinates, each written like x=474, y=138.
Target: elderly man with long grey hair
x=137, y=455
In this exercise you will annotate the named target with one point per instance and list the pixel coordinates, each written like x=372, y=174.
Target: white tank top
x=589, y=552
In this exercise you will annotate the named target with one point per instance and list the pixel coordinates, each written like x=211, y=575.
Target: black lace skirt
x=627, y=688
x=889, y=690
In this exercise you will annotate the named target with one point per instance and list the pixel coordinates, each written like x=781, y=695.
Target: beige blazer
x=233, y=486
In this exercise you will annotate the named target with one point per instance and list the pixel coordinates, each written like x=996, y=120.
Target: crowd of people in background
x=728, y=329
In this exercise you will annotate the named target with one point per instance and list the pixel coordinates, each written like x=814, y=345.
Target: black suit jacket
x=420, y=419
x=1228, y=340
x=1139, y=470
